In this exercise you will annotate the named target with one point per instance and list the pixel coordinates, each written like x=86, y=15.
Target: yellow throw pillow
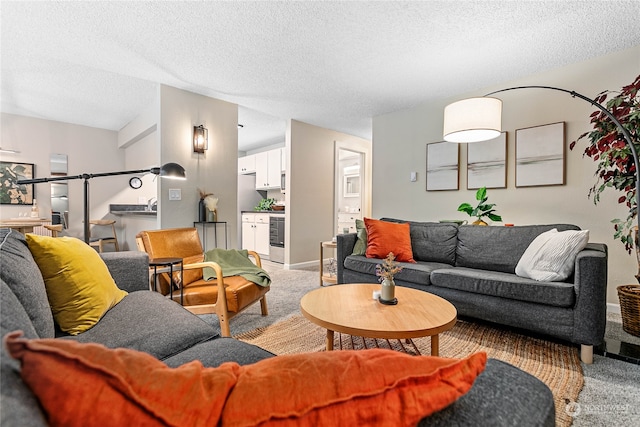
x=79, y=286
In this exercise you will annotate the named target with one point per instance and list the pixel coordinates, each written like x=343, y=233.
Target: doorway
x=349, y=189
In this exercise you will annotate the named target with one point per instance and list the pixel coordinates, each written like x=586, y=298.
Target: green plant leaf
x=466, y=208
x=481, y=194
x=494, y=217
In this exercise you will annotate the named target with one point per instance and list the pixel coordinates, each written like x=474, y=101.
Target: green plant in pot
x=265, y=205
x=608, y=147
x=483, y=209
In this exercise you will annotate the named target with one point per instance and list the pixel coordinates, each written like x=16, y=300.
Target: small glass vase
x=388, y=291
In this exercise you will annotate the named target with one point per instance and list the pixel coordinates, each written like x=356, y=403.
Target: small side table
x=170, y=263
x=326, y=277
x=215, y=232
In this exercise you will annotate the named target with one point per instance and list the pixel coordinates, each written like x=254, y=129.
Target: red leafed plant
x=608, y=147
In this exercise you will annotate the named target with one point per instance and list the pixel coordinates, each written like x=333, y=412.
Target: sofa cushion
x=20, y=272
x=218, y=351
x=497, y=248
x=147, y=321
x=505, y=285
x=418, y=272
x=18, y=406
x=303, y=389
x=552, y=255
x=384, y=237
x=79, y=286
x=432, y=241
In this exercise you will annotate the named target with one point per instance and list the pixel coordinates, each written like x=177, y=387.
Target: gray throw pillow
x=360, y=248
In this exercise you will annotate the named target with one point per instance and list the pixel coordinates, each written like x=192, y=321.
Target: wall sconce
x=200, y=139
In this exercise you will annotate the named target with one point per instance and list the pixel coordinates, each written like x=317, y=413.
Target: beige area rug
x=557, y=365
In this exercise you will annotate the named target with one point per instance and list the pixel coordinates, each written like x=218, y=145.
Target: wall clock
x=135, y=182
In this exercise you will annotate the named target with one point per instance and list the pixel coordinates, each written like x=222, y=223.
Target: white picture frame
x=540, y=153
x=487, y=163
x=443, y=166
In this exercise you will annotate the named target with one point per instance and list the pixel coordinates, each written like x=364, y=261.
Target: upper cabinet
x=247, y=164
x=268, y=169
x=267, y=165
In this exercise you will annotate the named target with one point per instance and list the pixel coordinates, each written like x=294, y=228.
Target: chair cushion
x=240, y=293
x=365, y=387
x=79, y=286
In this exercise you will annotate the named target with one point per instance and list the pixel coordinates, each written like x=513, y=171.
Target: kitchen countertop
x=124, y=209
x=267, y=212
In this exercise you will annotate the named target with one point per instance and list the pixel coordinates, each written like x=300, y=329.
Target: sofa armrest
x=130, y=269
x=590, y=311
x=344, y=248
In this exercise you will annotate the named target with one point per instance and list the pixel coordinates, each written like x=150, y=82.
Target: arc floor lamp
x=168, y=170
x=479, y=119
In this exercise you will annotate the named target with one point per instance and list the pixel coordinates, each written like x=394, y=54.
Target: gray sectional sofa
x=473, y=267
x=146, y=321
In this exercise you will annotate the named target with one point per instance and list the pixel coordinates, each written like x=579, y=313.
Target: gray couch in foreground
x=473, y=267
x=146, y=321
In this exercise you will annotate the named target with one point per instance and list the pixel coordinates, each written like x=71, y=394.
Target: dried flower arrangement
x=388, y=269
x=203, y=194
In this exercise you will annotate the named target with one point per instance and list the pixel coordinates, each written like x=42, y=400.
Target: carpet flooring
x=611, y=391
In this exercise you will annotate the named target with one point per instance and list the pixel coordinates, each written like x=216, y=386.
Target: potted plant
x=608, y=147
x=483, y=209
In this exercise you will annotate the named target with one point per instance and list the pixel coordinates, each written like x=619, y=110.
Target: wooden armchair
x=224, y=296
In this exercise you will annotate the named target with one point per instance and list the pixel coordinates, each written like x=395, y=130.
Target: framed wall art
x=12, y=193
x=540, y=155
x=487, y=163
x=442, y=166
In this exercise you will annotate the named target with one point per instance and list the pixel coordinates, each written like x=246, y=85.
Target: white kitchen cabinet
x=283, y=160
x=255, y=233
x=247, y=164
x=268, y=169
x=347, y=220
x=262, y=234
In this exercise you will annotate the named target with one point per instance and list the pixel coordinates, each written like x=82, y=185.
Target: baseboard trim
x=613, y=308
x=301, y=265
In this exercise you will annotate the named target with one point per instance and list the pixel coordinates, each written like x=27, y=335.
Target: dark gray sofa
x=473, y=267
x=146, y=321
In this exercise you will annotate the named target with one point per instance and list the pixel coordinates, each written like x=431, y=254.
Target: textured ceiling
x=332, y=64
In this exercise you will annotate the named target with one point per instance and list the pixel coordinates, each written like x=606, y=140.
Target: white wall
x=215, y=171
x=89, y=150
x=399, y=146
x=310, y=188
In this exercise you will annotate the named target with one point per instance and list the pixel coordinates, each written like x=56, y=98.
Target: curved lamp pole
x=479, y=119
x=168, y=170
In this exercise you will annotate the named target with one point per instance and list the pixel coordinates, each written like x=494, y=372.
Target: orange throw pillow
x=88, y=384
x=375, y=387
x=384, y=237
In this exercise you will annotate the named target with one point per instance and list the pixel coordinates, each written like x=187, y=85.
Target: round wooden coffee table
x=351, y=309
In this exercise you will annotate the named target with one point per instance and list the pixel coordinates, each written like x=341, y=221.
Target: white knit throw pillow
x=552, y=255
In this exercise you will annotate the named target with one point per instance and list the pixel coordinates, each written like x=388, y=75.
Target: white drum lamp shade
x=473, y=120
